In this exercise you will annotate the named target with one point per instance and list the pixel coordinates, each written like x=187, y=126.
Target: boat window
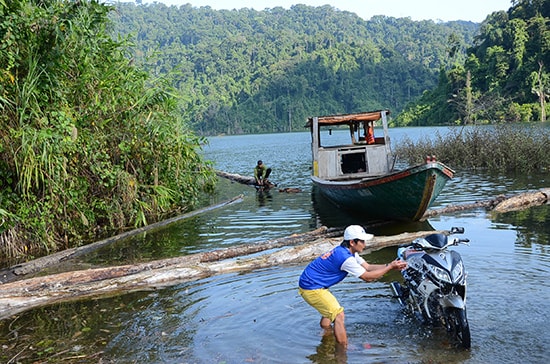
x=353, y=163
x=334, y=137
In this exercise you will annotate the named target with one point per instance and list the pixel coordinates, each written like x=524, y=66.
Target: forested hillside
x=505, y=78
x=247, y=71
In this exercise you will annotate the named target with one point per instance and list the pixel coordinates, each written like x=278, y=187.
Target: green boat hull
x=403, y=195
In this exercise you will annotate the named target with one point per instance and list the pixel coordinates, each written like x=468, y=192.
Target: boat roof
x=343, y=119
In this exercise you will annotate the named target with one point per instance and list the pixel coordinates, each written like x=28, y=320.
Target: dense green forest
x=89, y=144
x=505, y=77
x=248, y=71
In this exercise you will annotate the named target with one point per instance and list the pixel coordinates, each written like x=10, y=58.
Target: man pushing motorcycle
x=331, y=268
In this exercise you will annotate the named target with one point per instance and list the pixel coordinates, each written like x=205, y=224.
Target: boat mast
x=391, y=158
x=315, y=144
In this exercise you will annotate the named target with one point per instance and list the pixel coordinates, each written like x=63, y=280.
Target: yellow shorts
x=323, y=301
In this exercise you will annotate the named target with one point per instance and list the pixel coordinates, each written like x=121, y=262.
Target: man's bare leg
x=325, y=323
x=340, y=330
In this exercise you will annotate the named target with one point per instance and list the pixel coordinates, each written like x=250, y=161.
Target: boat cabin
x=362, y=155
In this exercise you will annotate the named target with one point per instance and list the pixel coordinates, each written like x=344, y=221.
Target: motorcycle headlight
x=458, y=272
x=440, y=274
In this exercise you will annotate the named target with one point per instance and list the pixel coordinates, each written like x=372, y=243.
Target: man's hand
x=398, y=264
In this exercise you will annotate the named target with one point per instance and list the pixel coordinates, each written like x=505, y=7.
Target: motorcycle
x=434, y=287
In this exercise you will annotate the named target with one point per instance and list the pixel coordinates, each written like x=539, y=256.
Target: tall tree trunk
x=469, y=99
x=542, y=95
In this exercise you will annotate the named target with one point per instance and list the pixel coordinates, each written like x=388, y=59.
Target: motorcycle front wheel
x=458, y=327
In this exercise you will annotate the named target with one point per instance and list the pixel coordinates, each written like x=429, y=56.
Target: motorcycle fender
x=453, y=301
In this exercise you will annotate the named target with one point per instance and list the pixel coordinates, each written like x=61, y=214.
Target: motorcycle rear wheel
x=458, y=327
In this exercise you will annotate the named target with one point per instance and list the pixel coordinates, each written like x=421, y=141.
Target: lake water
x=258, y=317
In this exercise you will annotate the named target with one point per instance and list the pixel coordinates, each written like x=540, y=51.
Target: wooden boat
x=359, y=174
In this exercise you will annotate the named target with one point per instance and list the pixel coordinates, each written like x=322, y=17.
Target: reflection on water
x=258, y=316
x=263, y=197
x=327, y=215
x=328, y=351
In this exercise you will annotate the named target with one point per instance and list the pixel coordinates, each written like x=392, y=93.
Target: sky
x=436, y=10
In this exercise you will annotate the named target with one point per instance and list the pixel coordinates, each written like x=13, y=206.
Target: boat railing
x=377, y=141
x=344, y=147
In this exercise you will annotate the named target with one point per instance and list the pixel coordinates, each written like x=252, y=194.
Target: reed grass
x=497, y=148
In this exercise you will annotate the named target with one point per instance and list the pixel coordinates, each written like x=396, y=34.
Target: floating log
x=290, y=190
x=36, y=265
x=487, y=204
x=498, y=204
x=524, y=201
x=22, y=295
x=246, y=180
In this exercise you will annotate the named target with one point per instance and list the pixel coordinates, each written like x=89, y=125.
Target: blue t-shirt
x=325, y=271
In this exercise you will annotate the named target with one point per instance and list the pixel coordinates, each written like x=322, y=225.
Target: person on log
x=261, y=174
x=331, y=268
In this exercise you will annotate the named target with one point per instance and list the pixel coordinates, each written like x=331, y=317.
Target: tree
x=541, y=89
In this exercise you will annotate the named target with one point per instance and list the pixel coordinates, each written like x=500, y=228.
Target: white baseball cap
x=356, y=232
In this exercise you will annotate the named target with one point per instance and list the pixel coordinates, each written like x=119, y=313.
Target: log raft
x=19, y=296
x=499, y=204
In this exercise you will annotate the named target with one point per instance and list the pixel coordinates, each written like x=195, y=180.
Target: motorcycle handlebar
x=454, y=230
x=461, y=241
x=457, y=230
